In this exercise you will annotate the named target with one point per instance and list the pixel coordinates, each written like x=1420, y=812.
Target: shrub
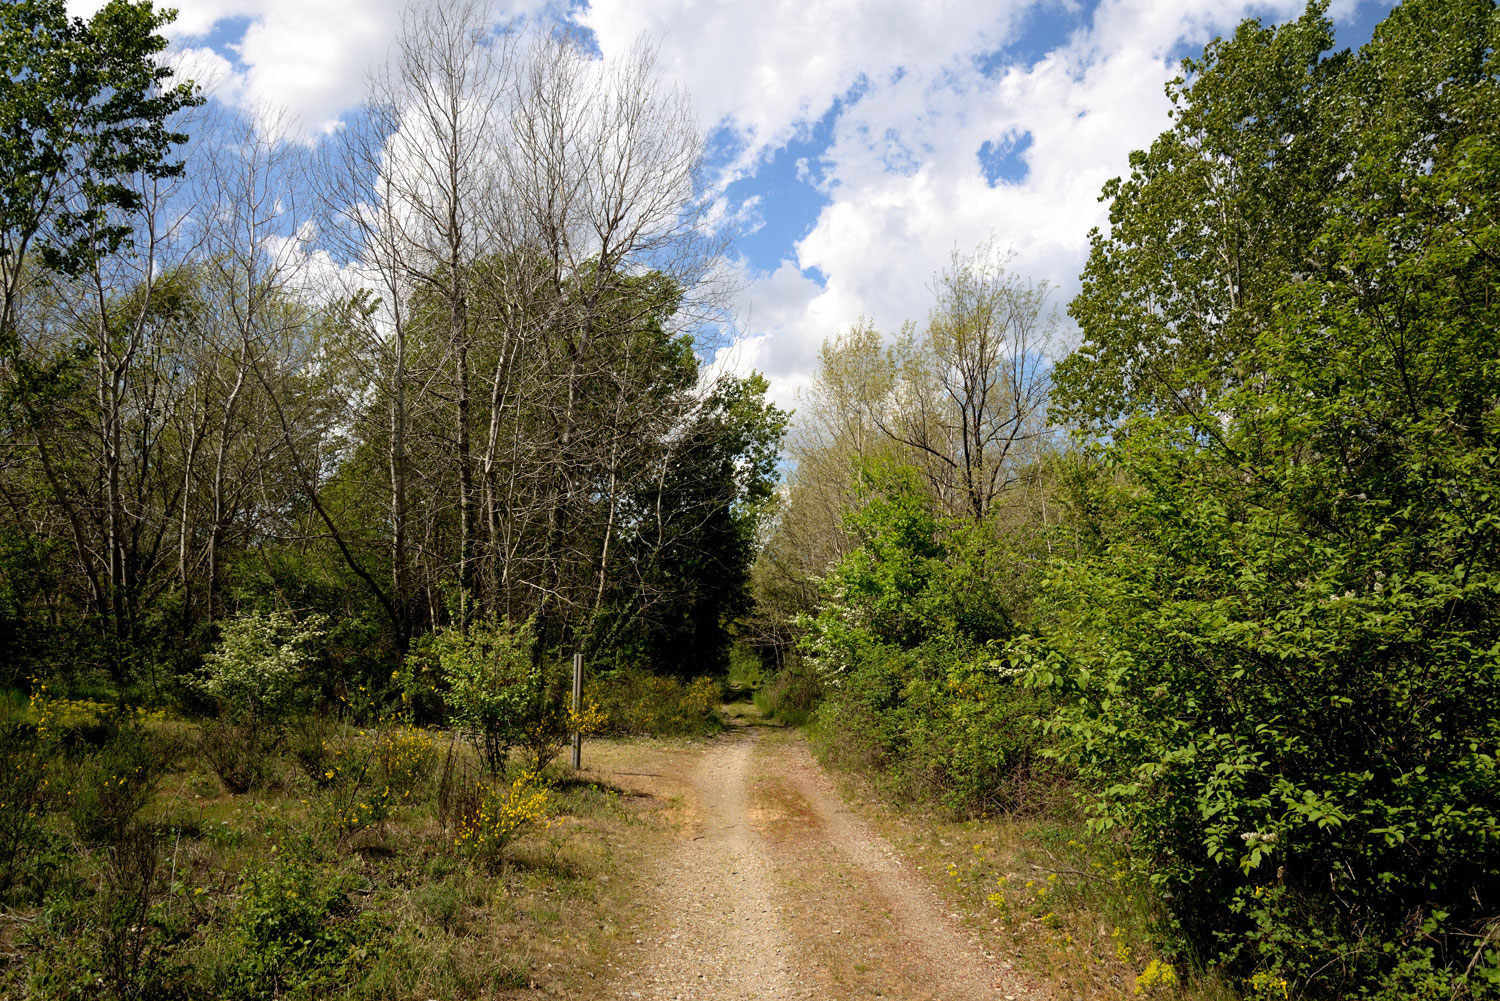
x=633, y=702
x=481, y=671
x=544, y=718
x=458, y=789
x=404, y=755
x=499, y=694
x=1278, y=665
x=977, y=732
x=252, y=677
x=311, y=748
x=243, y=757
x=500, y=816
x=791, y=694
x=131, y=933
x=357, y=799
x=27, y=754
x=113, y=785
x=253, y=674
x=908, y=646
x=295, y=933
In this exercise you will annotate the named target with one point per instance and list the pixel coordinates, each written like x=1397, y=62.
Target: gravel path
x=776, y=890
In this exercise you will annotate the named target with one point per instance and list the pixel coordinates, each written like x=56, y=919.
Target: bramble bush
x=295, y=934
x=791, y=694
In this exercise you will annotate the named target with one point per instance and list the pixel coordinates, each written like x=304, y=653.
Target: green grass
x=241, y=896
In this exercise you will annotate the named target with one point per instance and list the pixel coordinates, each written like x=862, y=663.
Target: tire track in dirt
x=777, y=890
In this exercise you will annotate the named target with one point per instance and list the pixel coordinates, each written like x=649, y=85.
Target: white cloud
x=769, y=68
x=902, y=174
x=300, y=64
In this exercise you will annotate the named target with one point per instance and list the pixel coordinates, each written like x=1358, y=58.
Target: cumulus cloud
x=298, y=65
x=918, y=95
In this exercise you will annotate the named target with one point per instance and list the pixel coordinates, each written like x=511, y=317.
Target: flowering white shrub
x=253, y=672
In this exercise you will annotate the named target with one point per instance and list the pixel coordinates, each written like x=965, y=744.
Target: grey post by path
x=577, y=705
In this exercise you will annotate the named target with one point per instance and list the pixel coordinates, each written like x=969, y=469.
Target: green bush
x=254, y=677
x=254, y=673
x=908, y=646
x=498, y=692
x=940, y=726
x=295, y=934
x=791, y=694
x=1277, y=649
x=113, y=785
x=480, y=674
x=633, y=702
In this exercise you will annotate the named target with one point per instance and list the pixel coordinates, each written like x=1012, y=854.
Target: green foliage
x=497, y=691
x=296, y=933
x=112, y=786
x=1212, y=220
x=792, y=693
x=1278, y=662
x=638, y=703
x=254, y=677
x=481, y=671
x=253, y=673
x=691, y=557
x=26, y=760
x=84, y=106
x=908, y=646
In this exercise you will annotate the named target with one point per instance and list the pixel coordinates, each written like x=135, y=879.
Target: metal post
x=577, y=706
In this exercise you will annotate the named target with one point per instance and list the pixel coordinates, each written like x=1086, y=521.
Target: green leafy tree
x=84, y=108
x=1279, y=661
x=1215, y=217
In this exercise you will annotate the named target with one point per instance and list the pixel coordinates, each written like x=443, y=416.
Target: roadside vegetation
x=1196, y=629
x=281, y=849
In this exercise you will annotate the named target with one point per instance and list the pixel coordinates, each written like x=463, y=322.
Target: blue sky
x=853, y=145
x=790, y=183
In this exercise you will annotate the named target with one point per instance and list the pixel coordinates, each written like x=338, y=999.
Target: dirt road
x=774, y=889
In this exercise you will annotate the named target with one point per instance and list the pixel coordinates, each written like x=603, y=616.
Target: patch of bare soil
x=773, y=889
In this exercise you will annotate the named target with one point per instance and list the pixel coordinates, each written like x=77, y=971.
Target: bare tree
x=971, y=393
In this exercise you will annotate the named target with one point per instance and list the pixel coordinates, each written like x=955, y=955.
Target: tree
x=971, y=394
x=84, y=116
x=1216, y=216
x=85, y=112
x=1280, y=666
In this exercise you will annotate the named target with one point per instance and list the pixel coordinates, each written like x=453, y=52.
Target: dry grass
x=1054, y=903
x=549, y=917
